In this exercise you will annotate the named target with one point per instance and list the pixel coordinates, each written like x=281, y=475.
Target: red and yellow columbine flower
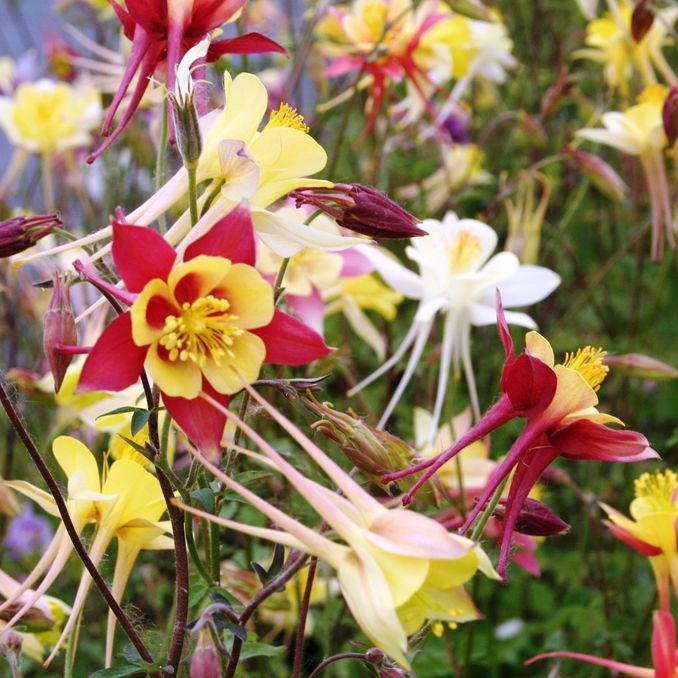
x=195, y=322
x=651, y=530
x=558, y=402
x=163, y=31
x=664, y=652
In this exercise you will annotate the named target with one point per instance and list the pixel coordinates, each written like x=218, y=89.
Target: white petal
x=528, y=285
x=395, y=274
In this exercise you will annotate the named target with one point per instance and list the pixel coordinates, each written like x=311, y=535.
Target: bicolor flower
x=125, y=503
x=164, y=31
x=194, y=319
x=651, y=530
x=456, y=280
x=395, y=568
x=664, y=652
x=558, y=402
x=639, y=130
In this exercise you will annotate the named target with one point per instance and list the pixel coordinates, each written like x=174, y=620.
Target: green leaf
x=139, y=420
x=205, y=497
x=118, y=671
x=139, y=448
x=250, y=650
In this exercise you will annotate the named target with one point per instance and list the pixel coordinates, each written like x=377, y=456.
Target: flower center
x=463, y=252
x=287, y=116
x=657, y=489
x=588, y=361
x=204, y=330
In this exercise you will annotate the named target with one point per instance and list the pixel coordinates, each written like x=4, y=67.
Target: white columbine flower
x=456, y=280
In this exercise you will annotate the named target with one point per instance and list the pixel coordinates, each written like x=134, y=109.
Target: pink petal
x=250, y=43
x=529, y=383
x=290, y=342
x=503, y=329
x=310, y=309
x=624, y=535
x=586, y=439
x=232, y=237
x=140, y=255
x=355, y=264
x=201, y=422
x=663, y=644
x=627, y=669
x=115, y=361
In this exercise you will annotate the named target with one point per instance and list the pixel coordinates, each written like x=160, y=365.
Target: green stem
x=193, y=193
x=487, y=513
x=161, y=160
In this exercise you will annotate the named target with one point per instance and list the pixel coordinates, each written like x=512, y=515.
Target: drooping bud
x=535, y=519
x=205, y=662
x=362, y=209
x=642, y=19
x=600, y=173
x=670, y=115
x=59, y=331
x=19, y=233
x=10, y=649
x=642, y=366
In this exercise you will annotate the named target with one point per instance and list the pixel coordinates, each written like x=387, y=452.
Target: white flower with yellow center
x=457, y=280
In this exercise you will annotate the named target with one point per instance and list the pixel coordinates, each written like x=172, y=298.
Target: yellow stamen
x=437, y=629
x=204, y=330
x=657, y=489
x=287, y=116
x=464, y=251
x=588, y=361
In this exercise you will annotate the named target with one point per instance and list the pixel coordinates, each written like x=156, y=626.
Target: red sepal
x=529, y=383
x=115, y=361
x=642, y=547
x=290, y=342
x=250, y=43
x=140, y=255
x=201, y=422
x=586, y=439
x=232, y=237
x=663, y=644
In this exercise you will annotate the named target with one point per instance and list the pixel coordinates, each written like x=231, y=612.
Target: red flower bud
x=19, y=233
x=642, y=19
x=600, y=173
x=59, y=331
x=535, y=519
x=362, y=209
x=670, y=115
x=205, y=662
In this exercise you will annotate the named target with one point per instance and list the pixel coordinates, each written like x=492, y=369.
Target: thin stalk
x=193, y=193
x=487, y=513
x=303, y=616
x=53, y=487
x=161, y=160
x=337, y=658
x=46, y=169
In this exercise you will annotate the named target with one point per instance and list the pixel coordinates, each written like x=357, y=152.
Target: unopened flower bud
x=362, y=209
x=642, y=366
x=670, y=115
x=59, y=331
x=19, y=233
x=10, y=649
x=535, y=519
x=205, y=662
x=374, y=655
x=371, y=450
x=600, y=173
x=187, y=130
x=642, y=19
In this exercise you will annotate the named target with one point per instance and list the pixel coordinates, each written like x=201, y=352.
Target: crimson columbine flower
x=199, y=322
x=164, y=30
x=558, y=402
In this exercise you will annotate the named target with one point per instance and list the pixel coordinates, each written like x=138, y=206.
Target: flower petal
x=249, y=295
x=248, y=355
x=197, y=278
x=290, y=342
x=175, y=378
x=140, y=255
x=115, y=361
x=72, y=456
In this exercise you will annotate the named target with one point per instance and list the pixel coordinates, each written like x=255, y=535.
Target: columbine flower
x=455, y=279
x=651, y=530
x=19, y=233
x=639, y=131
x=558, y=402
x=193, y=319
x=126, y=505
x=664, y=652
x=396, y=568
x=163, y=31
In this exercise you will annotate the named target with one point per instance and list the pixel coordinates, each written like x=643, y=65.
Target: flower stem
x=161, y=160
x=193, y=193
x=487, y=512
x=53, y=487
x=336, y=658
x=303, y=616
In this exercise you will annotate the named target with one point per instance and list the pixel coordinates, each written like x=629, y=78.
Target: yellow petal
x=144, y=333
x=250, y=296
x=572, y=394
x=73, y=456
x=539, y=347
x=43, y=499
x=249, y=352
x=181, y=378
x=198, y=277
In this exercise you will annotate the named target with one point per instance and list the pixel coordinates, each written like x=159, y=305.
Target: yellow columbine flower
x=126, y=504
x=651, y=530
